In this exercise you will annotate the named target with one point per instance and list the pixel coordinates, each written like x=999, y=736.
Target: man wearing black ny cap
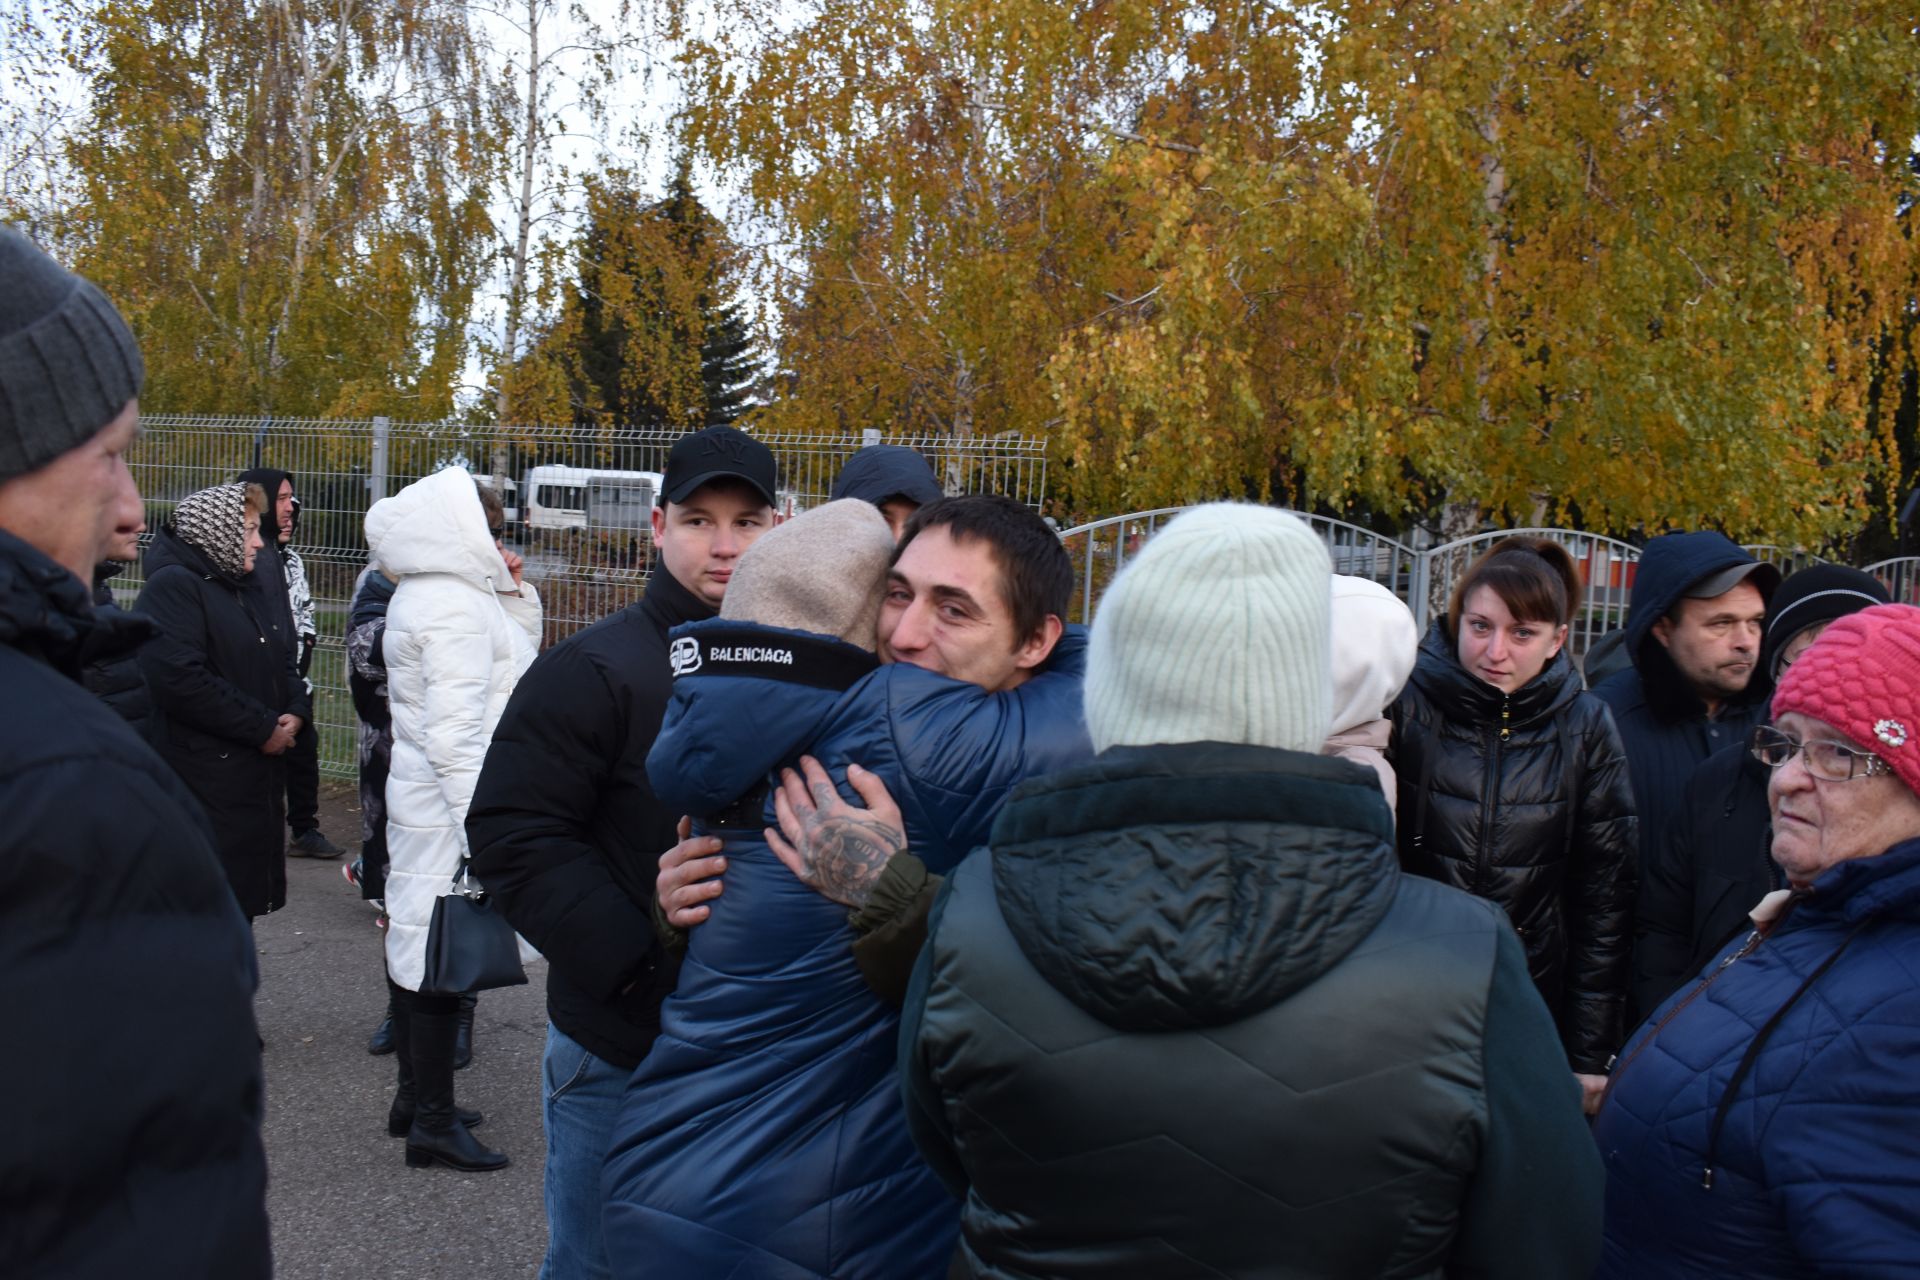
x=130, y=1091
x=566, y=832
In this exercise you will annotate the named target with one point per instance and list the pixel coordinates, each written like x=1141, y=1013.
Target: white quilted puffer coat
x=457, y=640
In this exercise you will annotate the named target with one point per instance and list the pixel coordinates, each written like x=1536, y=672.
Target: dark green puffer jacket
x=1186, y=1018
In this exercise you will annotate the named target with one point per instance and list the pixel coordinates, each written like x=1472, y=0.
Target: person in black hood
x=1186, y=1017
x=893, y=478
x=130, y=1092
x=1693, y=631
x=1513, y=787
x=279, y=577
x=228, y=700
x=1715, y=864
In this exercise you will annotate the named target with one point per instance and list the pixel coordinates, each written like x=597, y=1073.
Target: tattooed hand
x=834, y=847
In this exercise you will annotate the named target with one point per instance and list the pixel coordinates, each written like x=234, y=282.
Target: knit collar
x=1464, y=697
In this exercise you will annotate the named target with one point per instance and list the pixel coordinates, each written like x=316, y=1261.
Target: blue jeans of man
x=582, y=1095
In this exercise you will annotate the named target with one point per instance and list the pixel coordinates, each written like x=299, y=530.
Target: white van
x=559, y=498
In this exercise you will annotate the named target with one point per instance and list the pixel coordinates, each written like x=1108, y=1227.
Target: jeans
x=582, y=1099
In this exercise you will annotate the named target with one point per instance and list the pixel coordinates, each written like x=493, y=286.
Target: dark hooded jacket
x=111, y=661
x=565, y=829
x=1523, y=799
x=1186, y=1019
x=268, y=581
x=132, y=1073
x=219, y=683
x=764, y=1133
x=882, y=472
x=1663, y=724
x=1703, y=879
x=1761, y=1123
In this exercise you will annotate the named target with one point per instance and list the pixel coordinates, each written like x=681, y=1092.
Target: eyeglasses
x=1827, y=761
x=498, y=531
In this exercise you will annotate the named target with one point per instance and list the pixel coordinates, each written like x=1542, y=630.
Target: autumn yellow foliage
x=1615, y=261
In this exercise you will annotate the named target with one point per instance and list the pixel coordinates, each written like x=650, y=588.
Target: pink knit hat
x=1862, y=676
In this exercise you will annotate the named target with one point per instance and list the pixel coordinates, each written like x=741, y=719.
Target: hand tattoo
x=844, y=852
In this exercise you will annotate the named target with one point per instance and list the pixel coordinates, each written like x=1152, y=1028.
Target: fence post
x=377, y=465
x=869, y=436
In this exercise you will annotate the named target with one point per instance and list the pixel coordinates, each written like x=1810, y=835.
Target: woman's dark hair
x=491, y=506
x=1535, y=578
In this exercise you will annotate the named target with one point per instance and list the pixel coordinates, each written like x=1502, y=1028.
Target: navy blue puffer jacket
x=1785, y=1074
x=764, y=1134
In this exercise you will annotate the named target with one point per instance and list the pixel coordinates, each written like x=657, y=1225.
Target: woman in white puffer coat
x=461, y=628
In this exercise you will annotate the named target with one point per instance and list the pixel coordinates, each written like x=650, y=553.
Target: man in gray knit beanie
x=69, y=375
x=133, y=1083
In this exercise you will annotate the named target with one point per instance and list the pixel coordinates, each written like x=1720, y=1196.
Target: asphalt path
x=342, y=1200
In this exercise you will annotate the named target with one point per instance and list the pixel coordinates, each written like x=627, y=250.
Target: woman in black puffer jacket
x=1513, y=787
x=227, y=699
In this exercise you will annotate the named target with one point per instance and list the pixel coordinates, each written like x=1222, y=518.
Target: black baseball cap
x=719, y=453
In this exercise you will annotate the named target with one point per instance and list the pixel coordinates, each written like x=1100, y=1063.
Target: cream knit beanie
x=1217, y=630
x=823, y=571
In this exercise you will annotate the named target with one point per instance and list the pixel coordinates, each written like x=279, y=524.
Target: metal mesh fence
x=579, y=503
x=1425, y=579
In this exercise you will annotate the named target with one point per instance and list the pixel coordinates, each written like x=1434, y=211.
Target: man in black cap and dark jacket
x=566, y=833
x=1715, y=866
x=131, y=1093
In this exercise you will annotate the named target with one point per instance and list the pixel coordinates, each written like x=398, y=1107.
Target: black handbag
x=470, y=945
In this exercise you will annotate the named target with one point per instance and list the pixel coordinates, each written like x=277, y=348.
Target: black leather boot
x=437, y=1135
x=382, y=1040
x=463, y=1044
x=405, y=1106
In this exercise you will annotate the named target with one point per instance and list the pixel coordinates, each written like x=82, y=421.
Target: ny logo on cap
x=729, y=447
x=684, y=654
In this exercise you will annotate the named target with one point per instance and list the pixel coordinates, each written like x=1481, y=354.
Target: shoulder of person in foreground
x=1535, y=1136
x=110, y=891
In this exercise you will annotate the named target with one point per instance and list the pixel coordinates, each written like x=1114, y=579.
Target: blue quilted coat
x=764, y=1135
x=1765, y=1122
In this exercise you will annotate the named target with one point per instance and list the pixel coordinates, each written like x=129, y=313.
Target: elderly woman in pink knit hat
x=1762, y=1122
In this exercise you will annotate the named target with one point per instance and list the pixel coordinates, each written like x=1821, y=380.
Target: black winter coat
x=1186, y=1019
x=1523, y=799
x=566, y=832
x=1713, y=868
x=219, y=681
x=130, y=1089
x=111, y=660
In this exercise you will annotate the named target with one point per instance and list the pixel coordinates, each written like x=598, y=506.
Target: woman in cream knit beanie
x=823, y=571
x=1217, y=631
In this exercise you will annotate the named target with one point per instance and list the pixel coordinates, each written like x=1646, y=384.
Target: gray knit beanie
x=823, y=571
x=68, y=362
x=1216, y=631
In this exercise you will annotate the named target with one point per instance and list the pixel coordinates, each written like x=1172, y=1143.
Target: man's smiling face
x=946, y=610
